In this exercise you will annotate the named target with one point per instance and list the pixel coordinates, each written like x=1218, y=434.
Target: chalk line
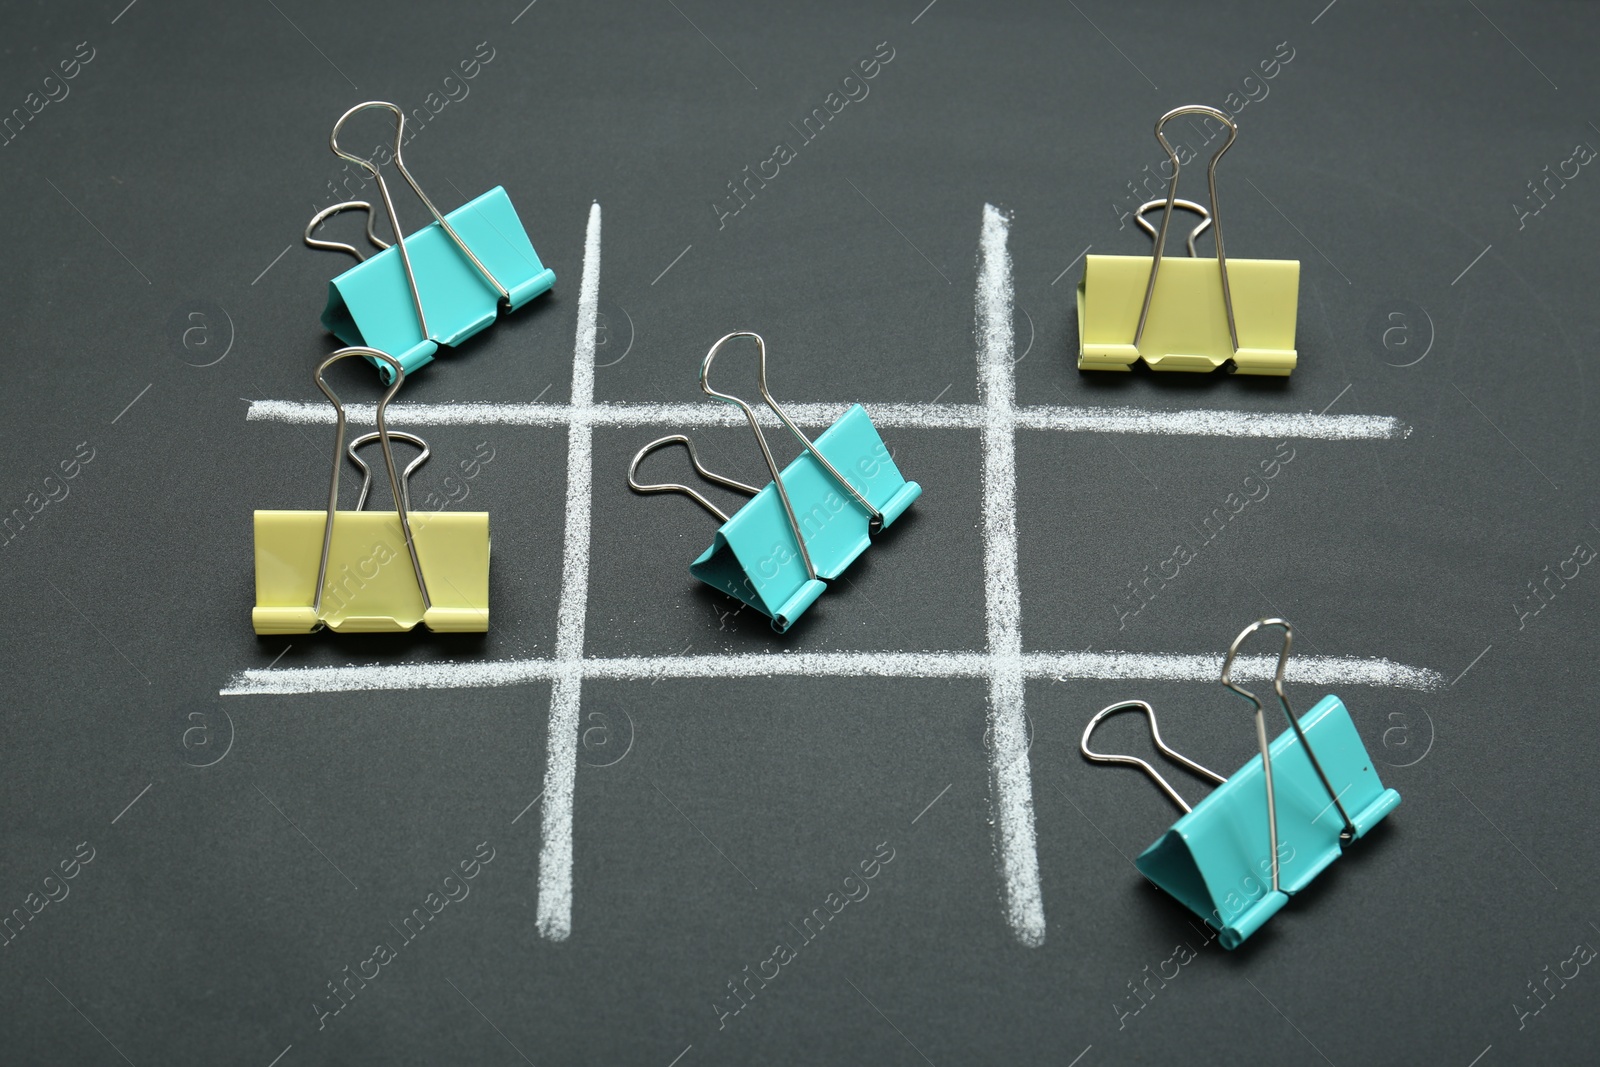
x=1060, y=418
x=1332, y=672
x=1012, y=778
x=561, y=740
x=1211, y=423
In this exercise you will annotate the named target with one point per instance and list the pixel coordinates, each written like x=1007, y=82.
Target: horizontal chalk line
x=1201, y=423
x=1329, y=671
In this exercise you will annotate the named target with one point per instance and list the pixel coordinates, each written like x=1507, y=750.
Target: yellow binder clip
x=1196, y=314
x=371, y=571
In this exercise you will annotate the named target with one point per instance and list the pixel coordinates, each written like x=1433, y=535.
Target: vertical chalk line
x=1012, y=779
x=561, y=741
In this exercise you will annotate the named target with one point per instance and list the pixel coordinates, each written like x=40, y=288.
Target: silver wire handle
x=676, y=487
x=1135, y=761
x=405, y=477
x=339, y=246
x=1216, y=215
x=1349, y=831
x=388, y=460
x=1144, y=223
x=388, y=203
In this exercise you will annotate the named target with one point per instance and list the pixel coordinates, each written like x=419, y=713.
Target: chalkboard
x=632, y=824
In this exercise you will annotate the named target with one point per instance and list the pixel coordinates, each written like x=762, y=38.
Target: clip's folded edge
x=370, y=304
x=1371, y=815
x=1253, y=918
x=897, y=505
x=280, y=620
x=1268, y=362
x=447, y=620
x=1207, y=858
x=790, y=610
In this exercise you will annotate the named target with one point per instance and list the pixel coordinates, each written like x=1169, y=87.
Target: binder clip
x=1272, y=827
x=805, y=526
x=440, y=285
x=1194, y=314
x=371, y=571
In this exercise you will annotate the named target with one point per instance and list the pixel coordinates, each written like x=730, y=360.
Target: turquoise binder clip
x=440, y=285
x=1266, y=832
x=805, y=526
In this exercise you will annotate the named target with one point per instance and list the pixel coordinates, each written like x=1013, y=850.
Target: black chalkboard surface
x=631, y=824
